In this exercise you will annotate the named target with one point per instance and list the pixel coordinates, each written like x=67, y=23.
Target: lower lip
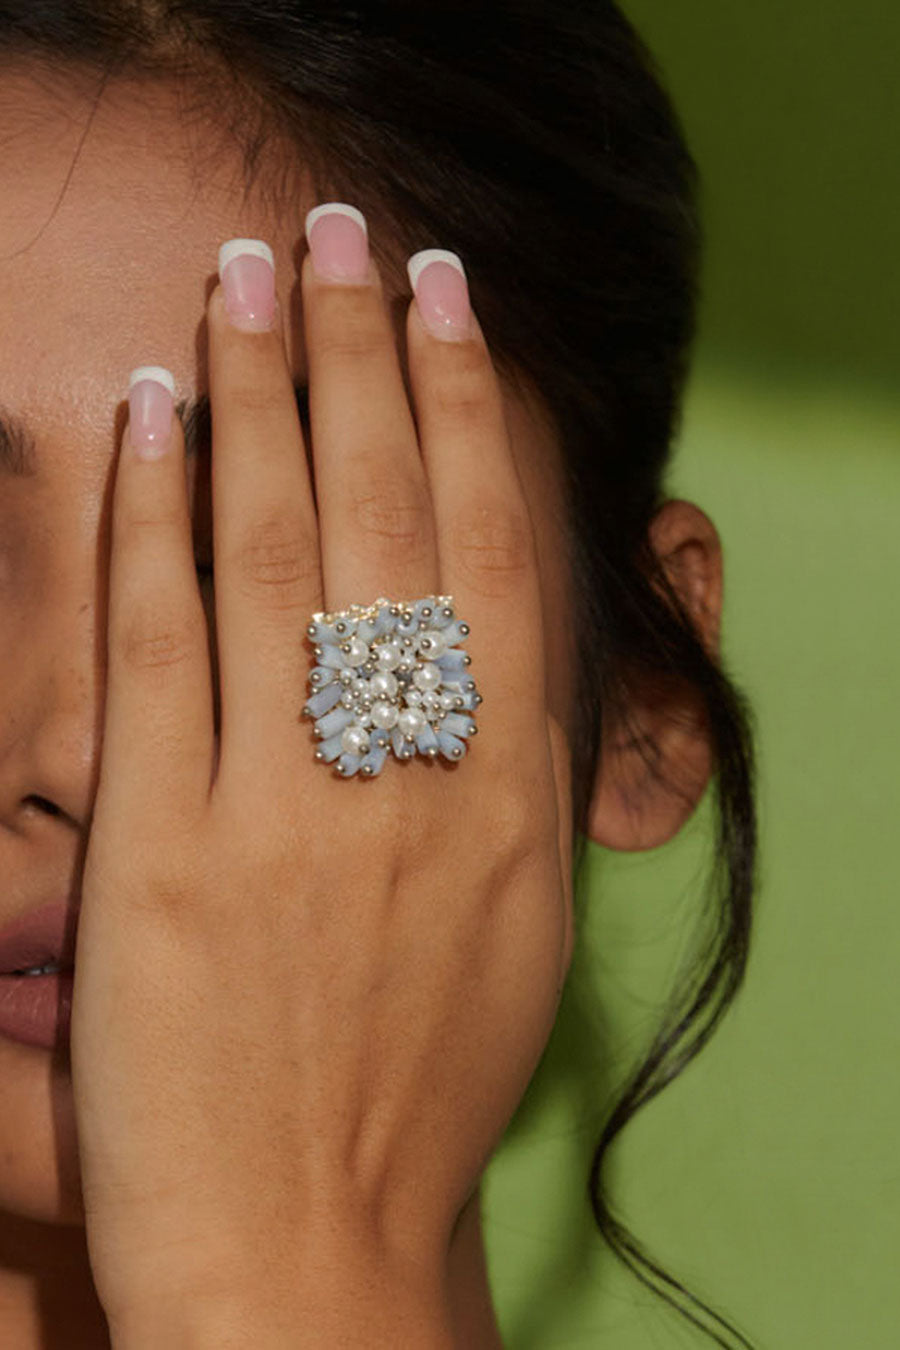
x=37, y=1009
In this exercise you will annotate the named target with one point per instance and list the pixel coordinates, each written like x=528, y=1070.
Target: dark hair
x=536, y=140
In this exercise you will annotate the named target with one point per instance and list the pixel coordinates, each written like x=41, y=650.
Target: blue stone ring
x=390, y=678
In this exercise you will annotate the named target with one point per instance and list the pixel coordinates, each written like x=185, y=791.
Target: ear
x=654, y=770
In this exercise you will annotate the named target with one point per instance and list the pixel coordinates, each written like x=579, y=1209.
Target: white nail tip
x=338, y=209
x=158, y=373
x=233, y=247
x=419, y=261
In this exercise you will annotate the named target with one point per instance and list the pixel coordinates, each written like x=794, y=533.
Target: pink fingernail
x=442, y=293
x=338, y=241
x=151, y=393
x=247, y=274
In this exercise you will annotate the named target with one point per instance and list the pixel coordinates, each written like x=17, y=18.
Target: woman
x=305, y=1009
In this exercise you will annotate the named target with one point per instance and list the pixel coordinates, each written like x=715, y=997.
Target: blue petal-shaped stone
x=324, y=632
x=439, y=619
x=451, y=633
x=458, y=682
x=329, y=749
x=324, y=675
x=349, y=764
x=384, y=621
x=324, y=699
x=452, y=662
x=457, y=725
x=399, y=746
x=451, y=747
x=335, y=721
x=426, y=741
x=366, y=630
x=374, y=760
x=332, y=656
x=348, y=630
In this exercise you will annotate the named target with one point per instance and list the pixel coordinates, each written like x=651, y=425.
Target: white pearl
x=413, y=696
x=412, y=722
x=364, y=719
x=432, y=644
x=384, y=715
x=348, y=698
x=358, y=653
x=448, y=701
x=355, y=740
x=387, y=656
x=430, y=699
x=429, y=677
x=382, y=684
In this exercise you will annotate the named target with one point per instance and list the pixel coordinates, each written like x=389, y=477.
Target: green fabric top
x=767, y=1176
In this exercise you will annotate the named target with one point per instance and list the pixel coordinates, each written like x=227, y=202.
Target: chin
x=39, y=1168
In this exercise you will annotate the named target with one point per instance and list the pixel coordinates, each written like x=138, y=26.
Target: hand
x=305, y=1009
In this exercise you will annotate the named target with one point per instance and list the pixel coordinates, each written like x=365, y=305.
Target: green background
x=767, y=1176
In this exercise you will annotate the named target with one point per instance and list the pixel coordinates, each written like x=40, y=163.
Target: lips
x=43, y=935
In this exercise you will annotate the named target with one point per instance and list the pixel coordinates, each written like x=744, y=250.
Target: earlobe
x=651, y=777
x=655, y=765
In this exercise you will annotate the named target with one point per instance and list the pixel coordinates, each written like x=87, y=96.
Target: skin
x=121, y=276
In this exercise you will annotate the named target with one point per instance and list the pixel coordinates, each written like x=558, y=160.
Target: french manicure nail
x=442, y=293
x=151, y=394
x=247, y=274
x=338, y=239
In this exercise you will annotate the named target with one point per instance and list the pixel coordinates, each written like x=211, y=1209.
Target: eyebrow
x=19, y=452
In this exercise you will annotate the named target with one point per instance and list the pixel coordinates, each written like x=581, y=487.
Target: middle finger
x=377, y=534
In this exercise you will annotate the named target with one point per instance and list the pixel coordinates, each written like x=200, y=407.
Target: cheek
x=26, y=581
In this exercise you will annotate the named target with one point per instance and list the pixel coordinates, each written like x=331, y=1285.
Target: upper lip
x=38, y=937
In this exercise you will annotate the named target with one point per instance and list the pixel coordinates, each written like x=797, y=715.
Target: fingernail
x=247, y=274
x=442, y=293
x=151, y=394
x=338, y=239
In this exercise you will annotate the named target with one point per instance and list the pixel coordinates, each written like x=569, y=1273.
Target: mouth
x=33, y=971
x=40, y=942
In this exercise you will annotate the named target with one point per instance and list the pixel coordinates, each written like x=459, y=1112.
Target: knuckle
x=463, y=394
x=519, y=828
x=252, y=397
x=276, y=556
x=494, y=547
x=391, y=512
x=156, y=642
x=351, y=338
x=258, y=390
x=139, y=530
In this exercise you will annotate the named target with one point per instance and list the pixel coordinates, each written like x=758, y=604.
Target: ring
x=390, y=678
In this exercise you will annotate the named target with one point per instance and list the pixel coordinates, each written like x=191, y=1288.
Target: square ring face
x=391, y=678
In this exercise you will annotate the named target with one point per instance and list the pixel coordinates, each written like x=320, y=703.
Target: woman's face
x=111, y=273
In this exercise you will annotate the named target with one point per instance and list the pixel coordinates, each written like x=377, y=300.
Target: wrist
x=332, y=1292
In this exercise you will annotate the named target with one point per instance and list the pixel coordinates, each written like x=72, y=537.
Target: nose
x=52, y=688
